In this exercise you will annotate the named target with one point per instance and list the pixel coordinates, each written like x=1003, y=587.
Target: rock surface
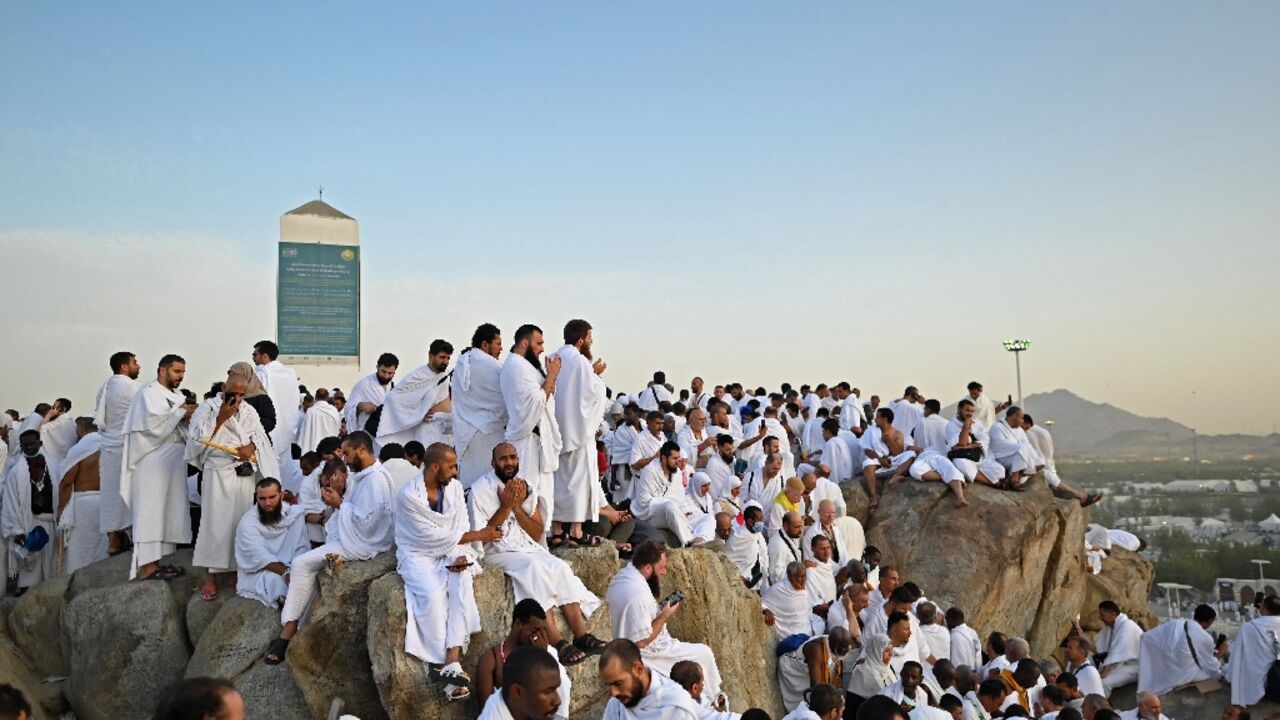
x=1021, y=570
x=1126, y=579
x=128, y=645
x=37, y=618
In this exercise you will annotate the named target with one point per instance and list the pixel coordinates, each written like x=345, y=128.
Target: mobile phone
x=672, y=599
x=229, y=398
x=463, y=566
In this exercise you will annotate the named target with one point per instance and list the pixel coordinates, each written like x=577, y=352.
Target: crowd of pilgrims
x=478, y=462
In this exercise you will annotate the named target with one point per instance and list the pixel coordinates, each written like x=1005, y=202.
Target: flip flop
x=209, y=595
x=451, y=674
x=1091, y=500
x=569, y=654
x=589, y=644
x=277, y=650
x=454, y=693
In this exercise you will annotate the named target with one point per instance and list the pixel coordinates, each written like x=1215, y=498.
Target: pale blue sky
x=877, y=193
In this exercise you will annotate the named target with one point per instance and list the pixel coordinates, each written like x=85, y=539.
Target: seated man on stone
x=1119, y=643
x=501, y=499
x=786, y=605
x=28, y=499
x=885, y=450
x=826, y=702
x=763, y=485
x=930, y=445
x=934, y=637
x=818, y=661
x=1042, y=441
x=528, y=629
x=836, y=454
x=789, y=499
x=745, y=546
x=845, y=533
x=1149, y=708
x=785, y=546
x=268, y=538
x=531, y=681
x=437, y=556
x=688, y=675
x=909, y=690
x=1010, y=447
x=637, y=616
x=1178, y=652
x=361, y=527
x=968, y=447
x=657, y=496
x=636, y=691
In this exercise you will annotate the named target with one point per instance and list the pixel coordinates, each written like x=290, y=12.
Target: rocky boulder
x=128, y=645
x=329, y=656
x=1126, y=580
x=1013, y=561
x=36, y=623
x=232, y=646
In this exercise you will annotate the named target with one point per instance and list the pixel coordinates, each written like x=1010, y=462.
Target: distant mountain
x=1085, y=429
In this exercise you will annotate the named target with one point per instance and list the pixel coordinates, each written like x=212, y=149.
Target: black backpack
x=371, y=425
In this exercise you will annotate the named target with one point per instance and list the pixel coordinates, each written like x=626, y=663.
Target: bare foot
x=897, y=479
x=961, y=502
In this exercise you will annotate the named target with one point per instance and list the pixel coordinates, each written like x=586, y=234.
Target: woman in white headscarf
x=873, y=672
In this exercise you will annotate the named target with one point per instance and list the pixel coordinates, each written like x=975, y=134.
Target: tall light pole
x=1017, y=347
x=1261, y=580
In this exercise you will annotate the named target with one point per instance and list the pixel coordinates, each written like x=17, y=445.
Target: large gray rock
x=232, y=647
x=329, y=656
x=45, y=698
x=200, y=612
x=128, y=645
x=1012, y=561
x=402, y=680
x=36, y=626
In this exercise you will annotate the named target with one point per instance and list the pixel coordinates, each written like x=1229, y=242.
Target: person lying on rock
x=528, y=629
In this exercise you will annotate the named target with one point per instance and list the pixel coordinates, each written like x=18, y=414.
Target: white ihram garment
x=321, y=421
x=988, y=466
x=652, y=501
x=258, y=545
x=1176, y=653
x=281, y=383
x=479, y=415
x=1122, y=642
x=113, y=406
x=367, y=389
x=531, y=426
x=405, y=406
x=16, y=519
x=1252, y=654
x=153, y=475
x=83, y=543
x=579, y=409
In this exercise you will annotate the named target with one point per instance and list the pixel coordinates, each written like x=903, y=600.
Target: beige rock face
x=37, y=618
x=1013, y=562
x=1126, y=580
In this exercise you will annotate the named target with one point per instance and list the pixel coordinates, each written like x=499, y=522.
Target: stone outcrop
x=37, y=617
x=1012, y=561
x=1126, y=580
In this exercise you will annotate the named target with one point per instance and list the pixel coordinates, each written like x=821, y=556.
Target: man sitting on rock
x=361, y=527
x=884, y=448
x=269, y=536
x=1178, y=652
x=745, y=546
x=1011, y=449
x=437, y=558
x=637, y=617
x=528, y=628
x=502, y=500
x=636, y=692
x=688, y=675
x=1120, y=643
x=1079, y=665
x=787, y=606
x=531, y=680
x=820, y=660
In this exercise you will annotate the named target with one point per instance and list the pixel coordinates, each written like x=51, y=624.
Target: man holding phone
x=231, y=472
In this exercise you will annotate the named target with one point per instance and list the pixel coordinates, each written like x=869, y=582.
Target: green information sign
x=318, y=301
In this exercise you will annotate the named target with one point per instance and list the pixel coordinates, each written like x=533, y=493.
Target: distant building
x=1243, y=591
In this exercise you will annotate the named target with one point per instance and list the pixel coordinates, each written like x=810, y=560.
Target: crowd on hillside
x=481, y=462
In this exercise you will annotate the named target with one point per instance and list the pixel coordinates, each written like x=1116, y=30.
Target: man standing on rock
x=26, y=514
x=368, y=392
x=479, y=415
x=153, y=476
x=78, y=500
x=113, y=405
x=230, y=422
x=360, y=528
x=281, y=383
x=438, y=556
x=502, y=500
x=528, y=391
x=581, y=400
x=1253, y=652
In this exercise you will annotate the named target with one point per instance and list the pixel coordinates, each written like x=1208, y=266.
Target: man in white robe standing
x=479, y=414
x=1011, y=449
x=113, y=405
x=581, y=400
x=1120, y=641
x=268, y=537
x=966, y=647
x=1178, y=652
x=282, y=387
x=79, y=490
x=27, y=504
x=58, y=431
x=322, y=420
x=501, y=499
x=369, y=391
x=784, y=546
x=529, y=394
x=438, y=556
x=153, y=475
x=1253, y=652
x=418, y=407
x=230, y=473
x=361, y=527
x=637, y=616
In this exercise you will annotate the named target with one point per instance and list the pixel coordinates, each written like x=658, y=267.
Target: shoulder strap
x=1186, y=628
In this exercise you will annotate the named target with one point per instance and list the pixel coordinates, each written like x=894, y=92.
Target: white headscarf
x=872, y=675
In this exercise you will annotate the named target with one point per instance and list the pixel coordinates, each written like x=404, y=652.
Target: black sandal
x=585, y=540
x=276, y=650
x=556, y=540
x=589, y=644
x=569, y=654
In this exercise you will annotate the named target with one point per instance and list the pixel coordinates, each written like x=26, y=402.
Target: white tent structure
x=1271, y=524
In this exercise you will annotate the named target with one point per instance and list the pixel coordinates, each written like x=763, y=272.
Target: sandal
x=451, y=674
x=625, y=552
x=555, y=540
x=1091, y=500
x=569, y=654
x=585, y=541
x=454, y=693
x=275, y=651
x=589, y=644
x=166, y=572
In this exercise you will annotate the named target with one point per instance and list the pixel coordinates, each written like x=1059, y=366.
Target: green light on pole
x=1017, y=347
